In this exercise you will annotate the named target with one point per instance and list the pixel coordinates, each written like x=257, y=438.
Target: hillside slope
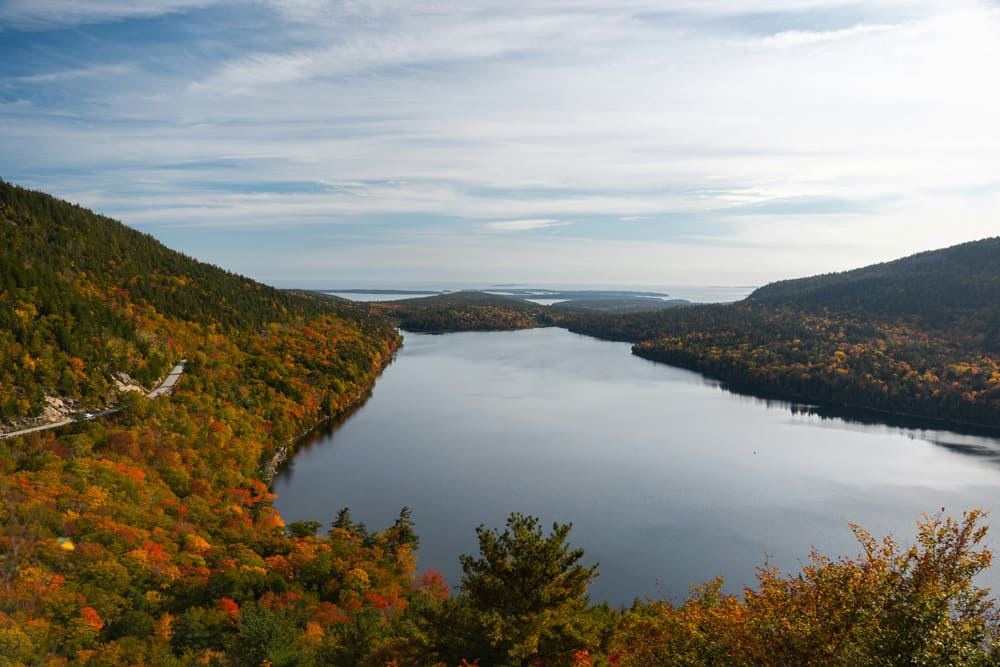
x=148, y=536
x=84, y=298
x=918, y=336
x=942, y=288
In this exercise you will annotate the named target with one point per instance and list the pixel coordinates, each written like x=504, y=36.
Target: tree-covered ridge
x=619, y=305
x=916, y=336
x=82, y=296
x=464, y=311
x=855, y=360
x=939, y=288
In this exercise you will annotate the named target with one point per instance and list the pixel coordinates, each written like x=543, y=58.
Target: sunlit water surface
x=667, y=478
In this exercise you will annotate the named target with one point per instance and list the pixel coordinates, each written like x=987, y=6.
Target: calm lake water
x=667, y=478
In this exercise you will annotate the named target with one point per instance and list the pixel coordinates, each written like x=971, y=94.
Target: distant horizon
x=438, y=286
x=693, y=293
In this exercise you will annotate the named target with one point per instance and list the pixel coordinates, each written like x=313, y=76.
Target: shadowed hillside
x=916, y=336
x=950, y=288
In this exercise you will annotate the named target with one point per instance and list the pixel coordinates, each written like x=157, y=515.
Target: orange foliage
x=229, y=607
x=91, y=618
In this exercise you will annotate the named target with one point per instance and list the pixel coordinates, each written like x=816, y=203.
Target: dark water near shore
x=668, y=479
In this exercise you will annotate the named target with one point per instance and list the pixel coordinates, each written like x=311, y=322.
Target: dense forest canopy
x=939, y=287
x=148, y=537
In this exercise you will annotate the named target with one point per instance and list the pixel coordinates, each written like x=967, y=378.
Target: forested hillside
x=951, y=289
x=915, y=336
x=83, y=296
x=149, y=537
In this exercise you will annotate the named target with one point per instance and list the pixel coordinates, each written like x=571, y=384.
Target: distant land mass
x=474, y=310
x=541, y=293
x=525, y=293
x=380, y=291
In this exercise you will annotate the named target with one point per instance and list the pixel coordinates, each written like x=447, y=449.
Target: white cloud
x=797, y=38
x=524, y=225
x=42, y=13
x=402, y=41
x=115, y=70
x=513, y=120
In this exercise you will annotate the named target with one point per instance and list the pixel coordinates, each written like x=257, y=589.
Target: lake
x=667, y=478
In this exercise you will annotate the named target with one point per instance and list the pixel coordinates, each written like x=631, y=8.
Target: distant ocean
x=389, y=292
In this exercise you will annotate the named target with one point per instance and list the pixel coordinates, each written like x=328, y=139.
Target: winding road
x=164, y=387
x=168, y=382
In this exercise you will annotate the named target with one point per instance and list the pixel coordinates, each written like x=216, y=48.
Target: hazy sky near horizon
x=634, y=142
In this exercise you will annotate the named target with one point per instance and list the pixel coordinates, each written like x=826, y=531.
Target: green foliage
x=524, y=599
x=401, y=535
x=269, y=637
x=303, y=528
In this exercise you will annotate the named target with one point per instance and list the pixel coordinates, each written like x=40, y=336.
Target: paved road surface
x=165, y=387
x=169, y=382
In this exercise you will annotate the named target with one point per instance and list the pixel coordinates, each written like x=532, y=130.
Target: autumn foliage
x=887, y=606
x=149, y=537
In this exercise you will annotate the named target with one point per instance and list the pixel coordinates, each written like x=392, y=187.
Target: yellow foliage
x=196, y=544
x=163, y=629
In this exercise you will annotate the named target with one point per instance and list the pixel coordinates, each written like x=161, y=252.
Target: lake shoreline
x=286, y=452
x=850, y=411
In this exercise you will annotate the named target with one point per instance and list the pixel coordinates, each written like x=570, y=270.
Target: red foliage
x=327, y=613
x=229, y=607
x=91, y=617
x=432, y=583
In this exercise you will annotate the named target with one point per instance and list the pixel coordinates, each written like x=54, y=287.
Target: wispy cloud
x=797, y=38
x=37, y=14
x=671, y=124
x=525, y=225
x=77, y=73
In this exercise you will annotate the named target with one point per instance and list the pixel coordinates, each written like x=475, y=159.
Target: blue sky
x=635, y=142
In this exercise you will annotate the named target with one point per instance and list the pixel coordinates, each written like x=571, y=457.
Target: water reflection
x=983, y=449
x=967, y=439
